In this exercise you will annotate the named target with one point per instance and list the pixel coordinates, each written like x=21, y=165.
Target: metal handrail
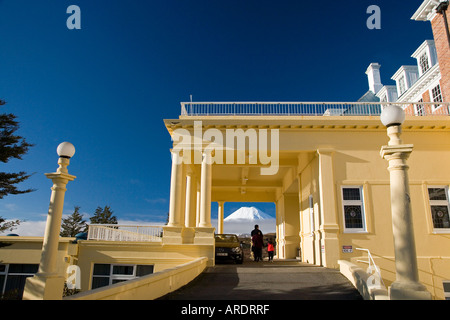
x=372, y=269
x=310, y=108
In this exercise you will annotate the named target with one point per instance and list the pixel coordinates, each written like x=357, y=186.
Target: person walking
x=258, y=243
x=270, y=250
x=255, y=231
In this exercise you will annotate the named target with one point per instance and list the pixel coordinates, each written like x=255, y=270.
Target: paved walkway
x=279, y=280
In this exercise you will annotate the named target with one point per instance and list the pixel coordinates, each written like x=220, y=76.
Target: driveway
x=278, y=280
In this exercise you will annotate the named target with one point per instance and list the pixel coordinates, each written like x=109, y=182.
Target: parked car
x=228, y=248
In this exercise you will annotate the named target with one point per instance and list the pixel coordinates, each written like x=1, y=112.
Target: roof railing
x=310, y=108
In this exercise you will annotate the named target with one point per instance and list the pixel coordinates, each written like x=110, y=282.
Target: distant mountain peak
x=248, y=213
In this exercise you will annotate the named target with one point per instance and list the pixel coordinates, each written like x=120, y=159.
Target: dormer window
x=426, y=56
x=424, y=63
x=388, y=94
x=405, y=77
x=401, y=85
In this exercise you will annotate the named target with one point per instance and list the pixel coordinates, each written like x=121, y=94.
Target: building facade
x=319, y=163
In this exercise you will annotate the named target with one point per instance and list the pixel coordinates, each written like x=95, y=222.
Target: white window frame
x=438, y=203
x=402, y=85
x=419, y=108
x=360, y=203
x=7, y=273
x=424, y=61
x=433, y=98
x=112, y=276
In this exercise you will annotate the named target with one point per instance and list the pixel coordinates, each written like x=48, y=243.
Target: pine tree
x=103, y=216
x=11, y=146
x=73, y=224
x=10, y=225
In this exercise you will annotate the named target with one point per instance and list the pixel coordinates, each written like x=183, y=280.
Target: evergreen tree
x=11, y=146
x=73, y=224
x=103, y=216
x=10, y=225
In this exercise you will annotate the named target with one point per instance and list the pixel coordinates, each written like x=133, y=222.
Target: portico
x=286, y=160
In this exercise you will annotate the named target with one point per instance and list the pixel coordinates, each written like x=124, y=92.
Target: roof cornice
x=426, y=11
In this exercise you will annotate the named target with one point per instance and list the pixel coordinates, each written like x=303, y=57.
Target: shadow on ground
x=280, y=280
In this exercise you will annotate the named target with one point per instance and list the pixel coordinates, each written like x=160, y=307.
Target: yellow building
x=331, y=188
x=319, y=163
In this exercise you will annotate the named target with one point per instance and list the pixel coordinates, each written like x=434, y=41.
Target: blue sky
x=107, y=87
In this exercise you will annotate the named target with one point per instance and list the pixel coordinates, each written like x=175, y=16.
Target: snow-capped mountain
x=248, y=213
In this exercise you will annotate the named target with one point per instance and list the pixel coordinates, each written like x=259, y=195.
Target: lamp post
x=48, y=283
x=406, y=285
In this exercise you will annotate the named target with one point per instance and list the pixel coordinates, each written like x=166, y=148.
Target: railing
x=309, y=108
x=114, y=232
x=372, y=269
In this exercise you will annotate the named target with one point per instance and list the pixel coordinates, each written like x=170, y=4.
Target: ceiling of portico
x=246, y=183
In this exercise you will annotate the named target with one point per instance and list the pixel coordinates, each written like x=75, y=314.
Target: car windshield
x=226, y=238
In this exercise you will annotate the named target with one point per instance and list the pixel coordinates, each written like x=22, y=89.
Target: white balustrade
x=309, y=108
x=114, y=232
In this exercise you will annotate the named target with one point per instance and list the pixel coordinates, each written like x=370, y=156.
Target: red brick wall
x=443, y=52
x=426, y=96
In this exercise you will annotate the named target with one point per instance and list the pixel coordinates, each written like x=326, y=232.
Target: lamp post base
x=408, y=291
x=44, y=287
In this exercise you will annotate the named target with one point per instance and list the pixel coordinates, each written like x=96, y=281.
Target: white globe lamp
x=65, y=150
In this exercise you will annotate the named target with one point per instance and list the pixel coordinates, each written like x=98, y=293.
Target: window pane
x=23, y=268
x=440, y=216
x=128, y=270
x=353, y=217
x=102, y=269
x=2, y=267
x=436, y=93
x=143, y=270
x=98, y=282
x=118, y=280
x=2, y=282
x=424, y=63
x=437, y=194
x=14, y=286
x=351, y=194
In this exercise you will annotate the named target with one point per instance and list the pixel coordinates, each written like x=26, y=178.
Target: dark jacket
x=257, y=240
x=255, y=231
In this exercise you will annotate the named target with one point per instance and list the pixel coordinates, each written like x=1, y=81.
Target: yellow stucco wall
x=27, y=250
x=357, y=162
x=318, y=157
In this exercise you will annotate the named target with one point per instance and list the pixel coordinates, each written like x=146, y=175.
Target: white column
x=328, y=225
x=220, y=217
x=406, y=285
x=176, y=186
x=191, y=199
x=197, y=212
x=48, y=284
x=205, y=191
